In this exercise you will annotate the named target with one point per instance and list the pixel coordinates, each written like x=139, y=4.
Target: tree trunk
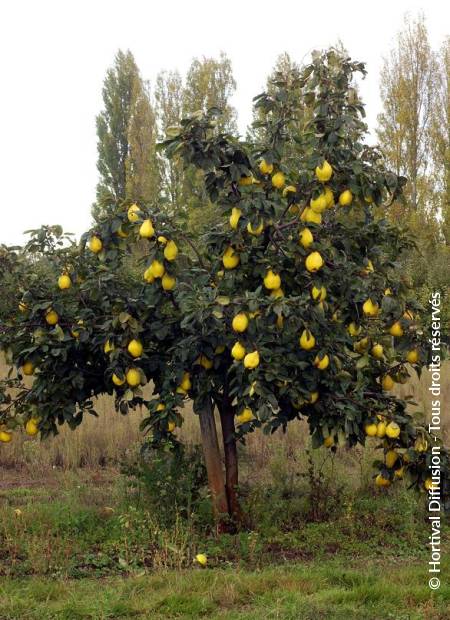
x=231, y=460
x=214, y=469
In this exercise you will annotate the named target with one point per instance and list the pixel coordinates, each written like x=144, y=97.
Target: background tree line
x=135, y=117
x=413, y=130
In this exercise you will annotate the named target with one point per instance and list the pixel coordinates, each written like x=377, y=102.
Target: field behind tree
x=110, y=438
x=82, y=536
x=92, y=526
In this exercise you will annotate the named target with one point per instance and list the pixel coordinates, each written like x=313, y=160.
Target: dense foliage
x=292, y=306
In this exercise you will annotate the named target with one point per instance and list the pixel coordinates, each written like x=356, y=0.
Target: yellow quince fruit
x=324, y=172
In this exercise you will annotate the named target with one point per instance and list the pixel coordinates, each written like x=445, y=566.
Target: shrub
x=171, y=480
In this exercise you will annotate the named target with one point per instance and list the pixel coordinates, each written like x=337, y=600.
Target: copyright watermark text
x=434, y=428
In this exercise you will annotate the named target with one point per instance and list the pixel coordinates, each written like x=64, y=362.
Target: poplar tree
x=440, y=143
x=126, y=135
x=141, y=166
x=209, y=83
x=413, y=132
x=409, y=81
x=168, y=107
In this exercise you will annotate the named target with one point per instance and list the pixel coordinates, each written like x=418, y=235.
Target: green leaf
x=363, y=362
x=223, y=300
x=124, y=317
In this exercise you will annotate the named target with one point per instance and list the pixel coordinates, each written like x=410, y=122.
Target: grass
x=90, y=524
x=331, y=589
x=80, y=540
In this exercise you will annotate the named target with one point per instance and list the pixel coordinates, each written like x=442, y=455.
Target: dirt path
x=52, y=478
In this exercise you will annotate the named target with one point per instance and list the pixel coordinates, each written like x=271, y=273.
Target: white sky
x=54, y=54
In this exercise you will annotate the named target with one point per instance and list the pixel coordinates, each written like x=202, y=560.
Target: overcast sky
x=54, y=54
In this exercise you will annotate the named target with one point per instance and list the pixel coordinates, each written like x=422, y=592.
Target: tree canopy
x=292, y=305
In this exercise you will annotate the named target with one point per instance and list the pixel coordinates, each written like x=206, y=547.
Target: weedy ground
x=87, y=532
x=331, y=589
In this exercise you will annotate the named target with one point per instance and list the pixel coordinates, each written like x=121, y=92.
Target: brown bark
x=231, y=460
x=213, y=464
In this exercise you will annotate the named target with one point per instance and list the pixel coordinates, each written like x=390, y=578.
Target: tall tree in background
x=119, y=93
x=141, y=166
x=288, y=71
x=209, y=83
x=126, y=134
x=414, y=133
x=169, y=112
x=409, y=79
x=440, y=139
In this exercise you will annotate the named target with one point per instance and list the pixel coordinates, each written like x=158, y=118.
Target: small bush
x=172, y=482
x=302, y=487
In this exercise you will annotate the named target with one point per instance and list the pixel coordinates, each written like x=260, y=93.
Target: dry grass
x=106, y=440
x=98, y=441
x=419, y=390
